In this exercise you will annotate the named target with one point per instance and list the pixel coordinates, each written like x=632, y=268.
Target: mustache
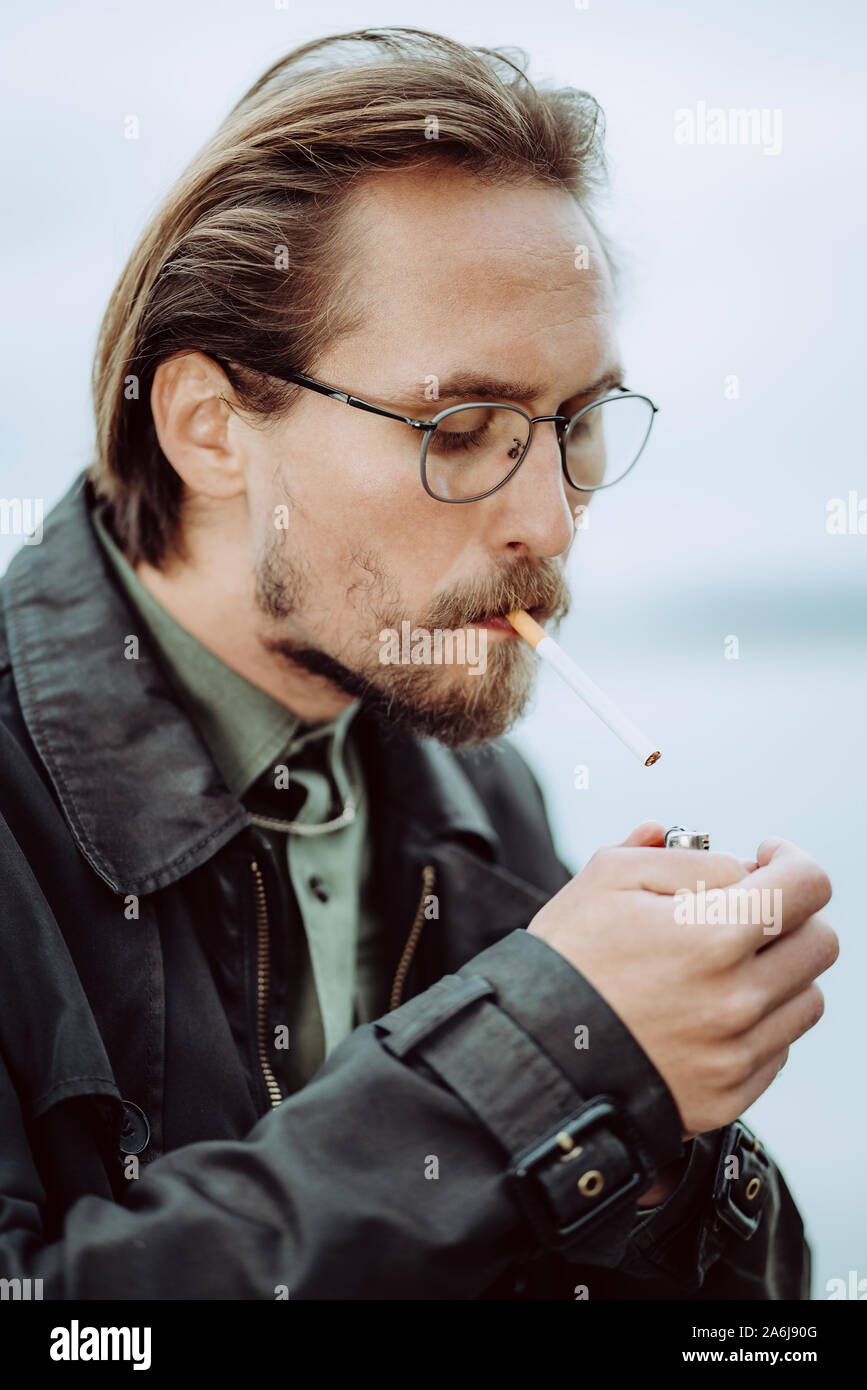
x=540, y=585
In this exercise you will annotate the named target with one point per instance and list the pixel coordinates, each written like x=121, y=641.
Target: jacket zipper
x=263, y=970
x=275, y=1096
x=428, y=875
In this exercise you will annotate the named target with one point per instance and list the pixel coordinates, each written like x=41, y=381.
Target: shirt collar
x=135, y=781
x=245, y=728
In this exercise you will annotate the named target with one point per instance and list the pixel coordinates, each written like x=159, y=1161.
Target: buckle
x=753, y=1169
x=559, y=1147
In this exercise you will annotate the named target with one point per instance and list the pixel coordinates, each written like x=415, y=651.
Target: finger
x=648, y=833
x=668, y=871
x=768, y=848
x=761, y=1080
x=789, y=963
x=787, y=887
x=782, y=1027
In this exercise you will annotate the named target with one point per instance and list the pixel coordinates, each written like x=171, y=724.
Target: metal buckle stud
x=742, y=1222
x=601, y=1111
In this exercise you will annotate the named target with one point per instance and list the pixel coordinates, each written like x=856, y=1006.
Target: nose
x=535, y=509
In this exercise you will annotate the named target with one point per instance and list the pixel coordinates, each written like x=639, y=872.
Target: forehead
x=447, y=269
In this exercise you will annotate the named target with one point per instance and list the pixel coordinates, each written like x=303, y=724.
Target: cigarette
x=545, y=647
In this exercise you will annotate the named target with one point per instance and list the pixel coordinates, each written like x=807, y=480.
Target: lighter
x=678, y=838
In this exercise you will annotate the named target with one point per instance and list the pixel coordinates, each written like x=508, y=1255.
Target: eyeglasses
x=469, y=451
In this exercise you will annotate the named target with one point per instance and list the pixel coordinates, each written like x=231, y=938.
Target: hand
x=715, y=1007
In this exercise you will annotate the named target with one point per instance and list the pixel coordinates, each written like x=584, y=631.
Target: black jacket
x=142, y=969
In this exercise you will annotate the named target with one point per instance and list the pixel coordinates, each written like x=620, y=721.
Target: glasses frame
x=428, y=426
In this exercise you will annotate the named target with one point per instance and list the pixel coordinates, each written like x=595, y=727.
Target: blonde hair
x=244, y=260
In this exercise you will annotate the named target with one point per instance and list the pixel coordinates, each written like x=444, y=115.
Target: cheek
x=370, y=502
x=352, y=500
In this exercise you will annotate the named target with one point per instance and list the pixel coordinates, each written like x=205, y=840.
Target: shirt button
x=135, y=1130
x=318, y=888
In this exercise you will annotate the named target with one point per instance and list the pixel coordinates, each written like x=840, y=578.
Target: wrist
x=667, y=1179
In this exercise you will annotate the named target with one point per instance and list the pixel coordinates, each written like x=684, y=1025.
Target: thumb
x=650, y=833
x=769, y=847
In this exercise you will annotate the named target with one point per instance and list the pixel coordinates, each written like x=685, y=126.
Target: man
x=298, y=999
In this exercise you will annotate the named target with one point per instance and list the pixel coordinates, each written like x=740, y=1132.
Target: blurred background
x=743, y=318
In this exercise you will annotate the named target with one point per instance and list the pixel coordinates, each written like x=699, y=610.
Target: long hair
x=245, y=260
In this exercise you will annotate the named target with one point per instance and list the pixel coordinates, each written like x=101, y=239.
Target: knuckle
x=770, y=846
x=736, y=1011
x=603, y=860
x=742, y=1061
x=817, y=881
x=810, y=1010
x=726, y=1065
x=720, y=948
x=753, y=1006
x=731, y=1073
x=707, y=950
x=715, y=1072
x=816, y=1005
x=827, y=946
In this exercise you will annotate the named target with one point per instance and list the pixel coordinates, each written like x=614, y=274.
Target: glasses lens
x=472, y=449
x=603, y=443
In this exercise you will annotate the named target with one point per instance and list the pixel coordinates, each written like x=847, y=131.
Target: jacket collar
x=139, y=790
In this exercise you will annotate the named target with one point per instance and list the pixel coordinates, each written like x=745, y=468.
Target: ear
x=195, y=426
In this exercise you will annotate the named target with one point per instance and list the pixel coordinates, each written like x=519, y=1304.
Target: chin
x=463, y=710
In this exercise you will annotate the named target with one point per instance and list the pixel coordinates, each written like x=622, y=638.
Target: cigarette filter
x=600, y=703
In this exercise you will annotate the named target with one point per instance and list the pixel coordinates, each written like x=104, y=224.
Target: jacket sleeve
x=504, y=1113
x=387, y=1175
x=696, y=1245
x=730, y=1230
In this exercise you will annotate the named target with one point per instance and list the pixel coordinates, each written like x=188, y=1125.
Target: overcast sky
x=743, y=261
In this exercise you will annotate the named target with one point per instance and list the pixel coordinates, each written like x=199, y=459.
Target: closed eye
x=457, y=441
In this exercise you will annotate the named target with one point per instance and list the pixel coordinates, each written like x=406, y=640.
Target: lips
x=502, y=624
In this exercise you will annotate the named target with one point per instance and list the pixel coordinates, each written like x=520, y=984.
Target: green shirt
x=247, y=733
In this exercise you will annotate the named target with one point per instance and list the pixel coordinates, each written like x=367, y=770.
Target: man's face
x=456, y=278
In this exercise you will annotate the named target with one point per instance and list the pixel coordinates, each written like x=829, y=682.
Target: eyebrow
x=469, y=385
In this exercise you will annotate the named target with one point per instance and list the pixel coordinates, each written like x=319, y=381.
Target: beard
x=444, y=702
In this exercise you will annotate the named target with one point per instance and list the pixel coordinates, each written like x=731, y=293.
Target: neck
x=222, y=615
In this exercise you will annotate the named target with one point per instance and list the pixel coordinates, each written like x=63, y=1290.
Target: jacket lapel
x=142, y=796
x=139, y=791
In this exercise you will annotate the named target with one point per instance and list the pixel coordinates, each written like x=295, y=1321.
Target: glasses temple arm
x=355, y=401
